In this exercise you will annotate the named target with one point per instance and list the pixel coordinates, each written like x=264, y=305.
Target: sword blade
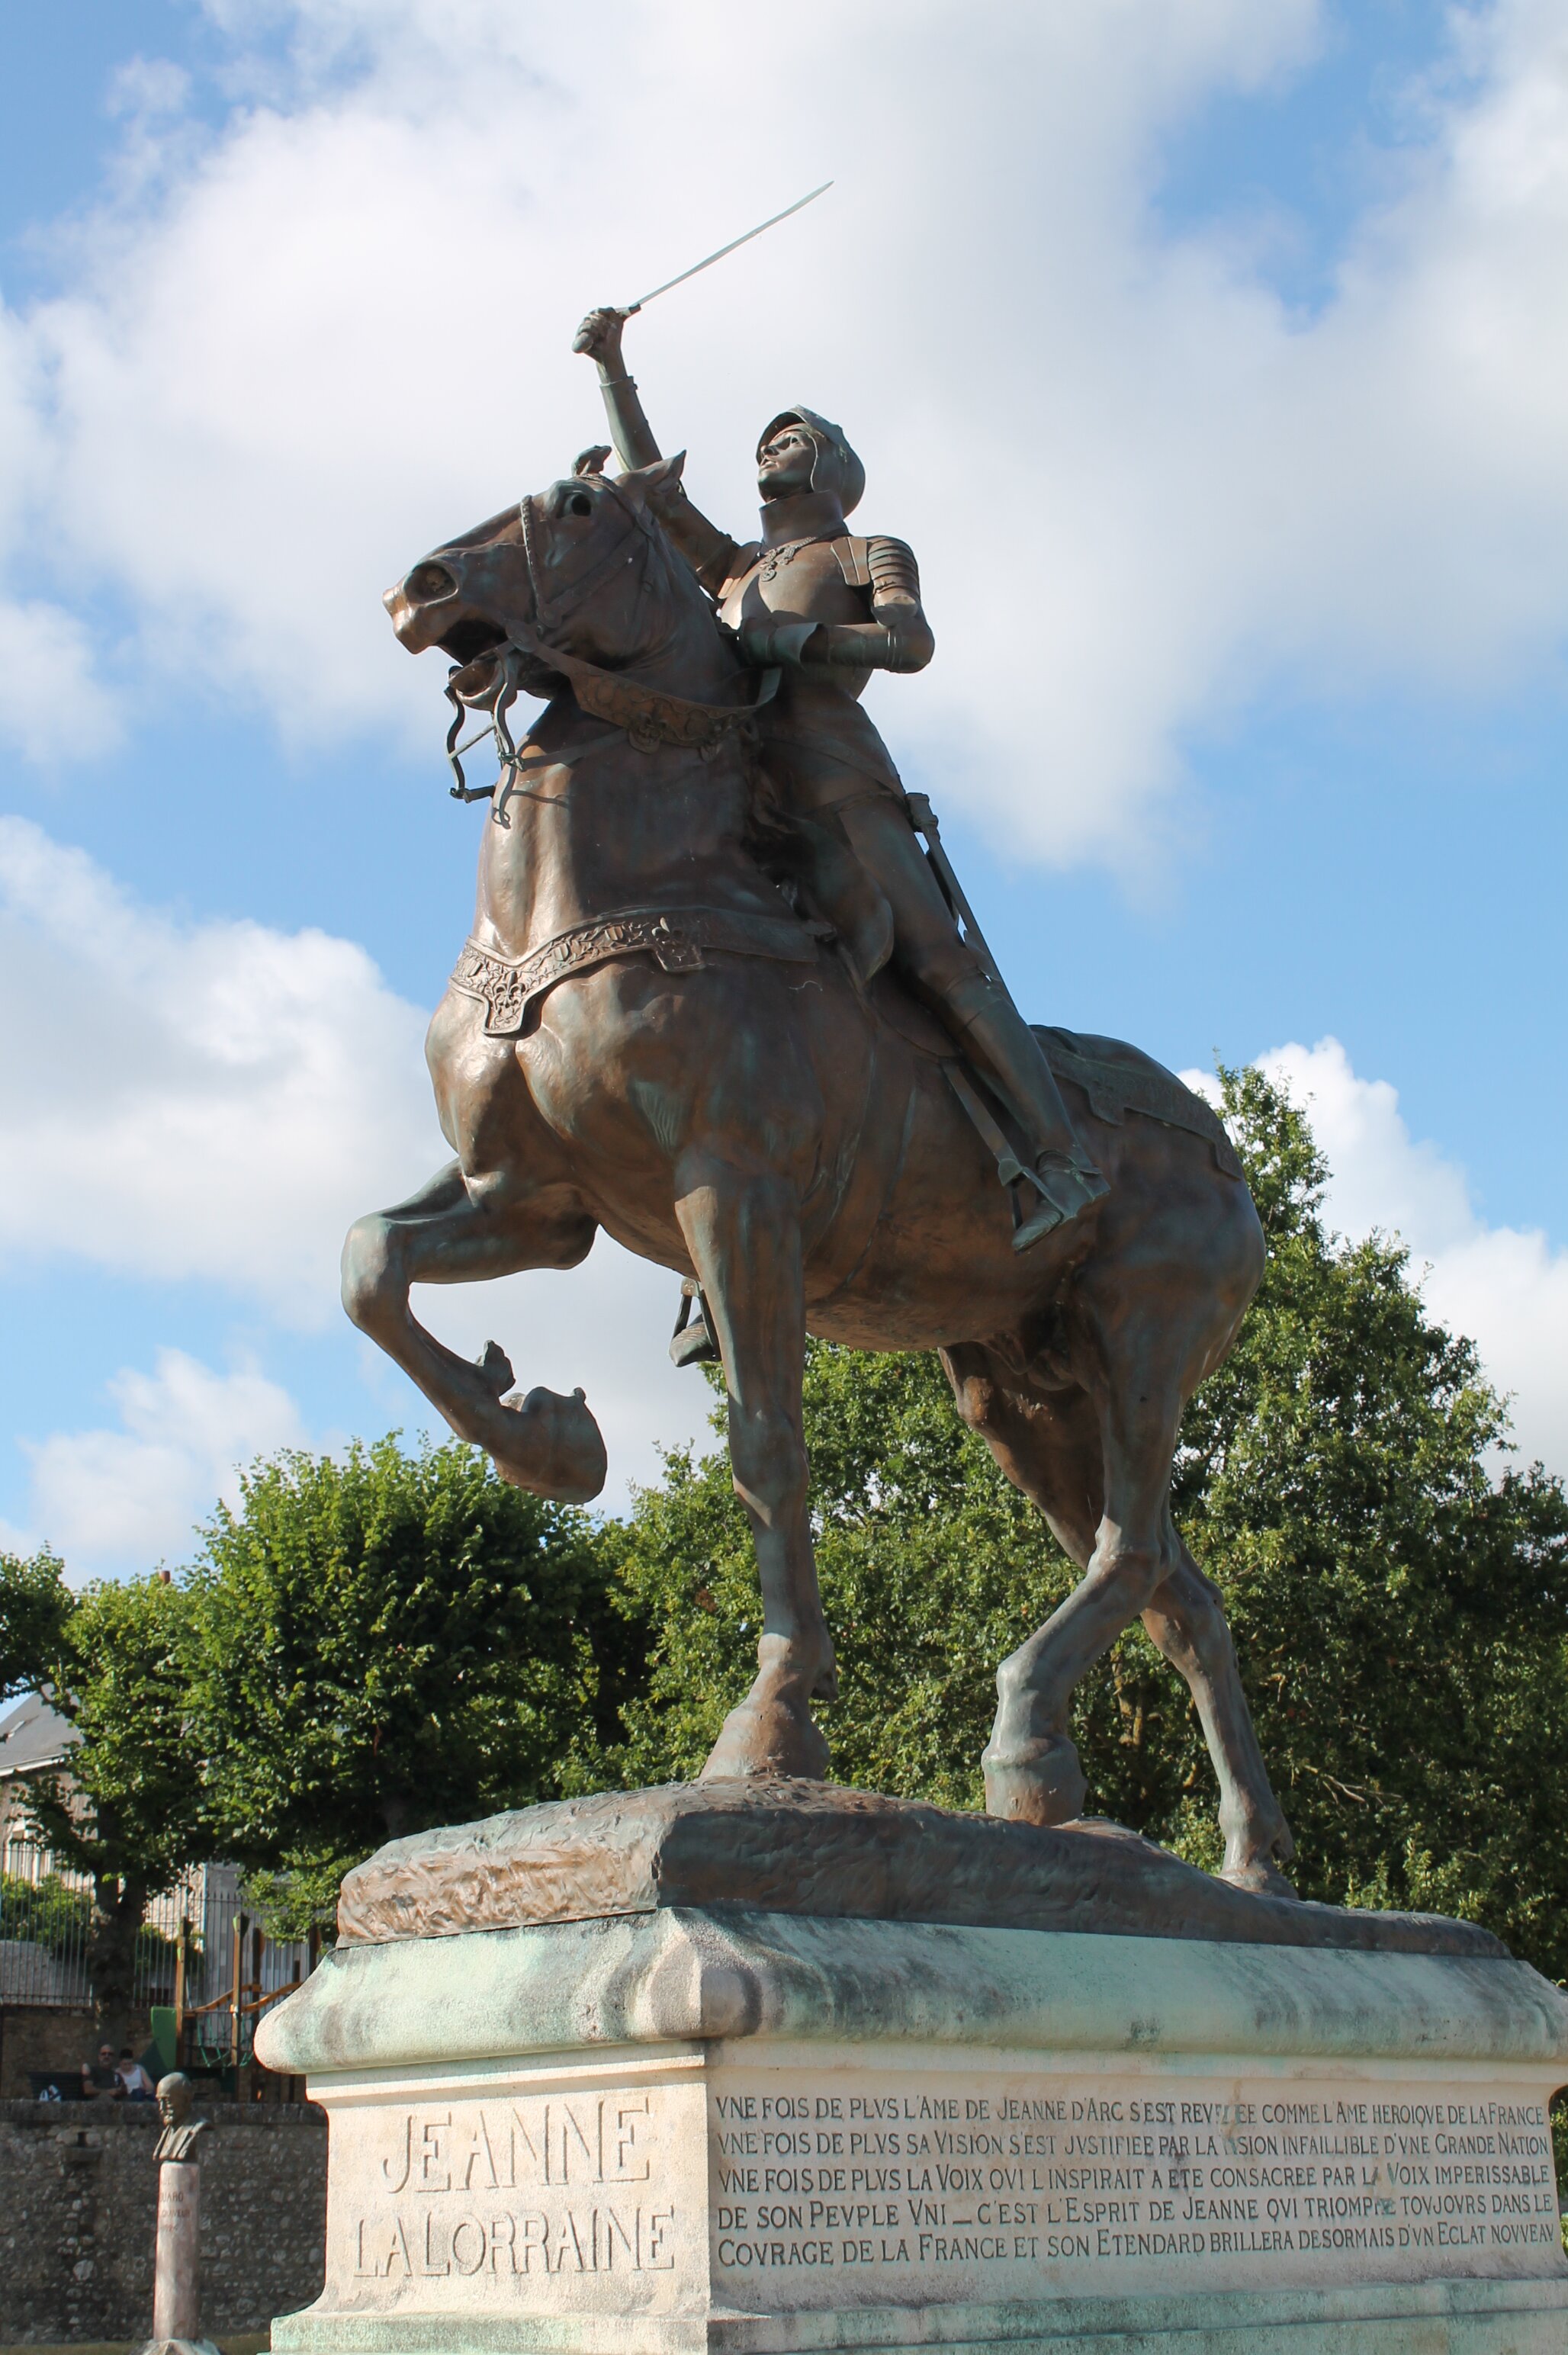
x=772, y=222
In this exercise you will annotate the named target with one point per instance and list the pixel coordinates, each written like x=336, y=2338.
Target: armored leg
x=980, y=1014
x=1000, y=1042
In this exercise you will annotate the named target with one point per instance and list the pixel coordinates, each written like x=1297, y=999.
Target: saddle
x=1114, y=1078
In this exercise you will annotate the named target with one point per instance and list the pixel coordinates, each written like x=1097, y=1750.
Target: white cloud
x=1507, y=1290
x=212, y=1100
x=53, y=704
x=218, y=1102
x=1140, y=485
x=125, y=1498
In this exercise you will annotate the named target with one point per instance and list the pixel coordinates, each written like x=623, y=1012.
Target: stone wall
x=77, y=2194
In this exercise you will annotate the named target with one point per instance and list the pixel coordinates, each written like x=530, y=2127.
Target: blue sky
x=1210, y=357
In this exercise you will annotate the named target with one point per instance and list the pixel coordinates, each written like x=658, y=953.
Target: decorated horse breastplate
x=680, y=939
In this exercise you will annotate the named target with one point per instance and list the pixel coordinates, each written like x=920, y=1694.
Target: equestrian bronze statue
x=716, y=1001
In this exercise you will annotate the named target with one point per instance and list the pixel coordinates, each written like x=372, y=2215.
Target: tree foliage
x=127, y=1809
x=383, y=1642
x=1400, y=1603
x=33, y=1603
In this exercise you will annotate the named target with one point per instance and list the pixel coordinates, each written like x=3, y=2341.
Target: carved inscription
x=542, y=2191
x=590, y=2140
x=890, y=2191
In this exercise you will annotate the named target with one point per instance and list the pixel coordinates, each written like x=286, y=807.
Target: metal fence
x=198, y=1951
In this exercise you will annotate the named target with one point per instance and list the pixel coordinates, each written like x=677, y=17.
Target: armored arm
x=600, y=337
x=899, y=637
x=705, y=547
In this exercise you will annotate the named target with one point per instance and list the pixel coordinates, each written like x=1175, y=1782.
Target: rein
x=649, y=716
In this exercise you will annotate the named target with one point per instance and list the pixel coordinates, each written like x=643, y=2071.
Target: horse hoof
x=1261, y=1877
x=1041, y=1782
x=768, y=1736
x=1253, y=1864
x=559, y=1449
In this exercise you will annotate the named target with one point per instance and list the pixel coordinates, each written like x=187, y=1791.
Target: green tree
x=127, y=1808
x=1400, y=1608
x=1400, y=1602
x=33, y=1603
x=383, y=1643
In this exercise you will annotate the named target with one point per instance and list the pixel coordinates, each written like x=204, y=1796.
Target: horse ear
x=662, y=475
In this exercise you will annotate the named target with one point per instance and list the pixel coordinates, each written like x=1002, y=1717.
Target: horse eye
x=430, y=579
x=580, y=504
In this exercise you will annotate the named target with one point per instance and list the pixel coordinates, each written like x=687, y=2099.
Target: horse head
x=583, y=569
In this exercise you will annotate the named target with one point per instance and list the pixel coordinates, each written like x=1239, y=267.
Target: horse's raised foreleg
x=1186, y=1620
x=742, y=1232
x=454, y=1231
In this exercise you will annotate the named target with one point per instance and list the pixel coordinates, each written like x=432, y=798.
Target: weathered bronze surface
x=793, y=1846
x=829, y=610
x=715, y=1002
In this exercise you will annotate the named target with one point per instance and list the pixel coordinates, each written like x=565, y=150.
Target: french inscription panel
x=831, y=2188
x=558, y=2199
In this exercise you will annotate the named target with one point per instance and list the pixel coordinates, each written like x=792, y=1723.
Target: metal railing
x=197, y=1952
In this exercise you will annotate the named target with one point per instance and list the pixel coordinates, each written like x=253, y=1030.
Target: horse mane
x=771, y=832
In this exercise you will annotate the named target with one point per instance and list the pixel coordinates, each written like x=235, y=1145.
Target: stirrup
x=691, y=1343
x=1066, y=1190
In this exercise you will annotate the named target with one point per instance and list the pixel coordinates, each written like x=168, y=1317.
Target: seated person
x=136, y=2086
x=100, y=2079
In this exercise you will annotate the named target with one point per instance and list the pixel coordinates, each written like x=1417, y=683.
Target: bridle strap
x=649, y=716
x=553, y=610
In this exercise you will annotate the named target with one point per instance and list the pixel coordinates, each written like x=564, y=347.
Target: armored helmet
x=836, y=467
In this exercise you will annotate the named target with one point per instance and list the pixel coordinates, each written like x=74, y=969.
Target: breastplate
x=800, y=582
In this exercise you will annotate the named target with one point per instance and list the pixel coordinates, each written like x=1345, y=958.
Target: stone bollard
x=176, y=2281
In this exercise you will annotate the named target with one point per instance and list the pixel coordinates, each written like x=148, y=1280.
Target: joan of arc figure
x=828, y=610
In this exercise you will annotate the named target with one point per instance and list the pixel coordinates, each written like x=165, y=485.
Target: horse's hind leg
x=1186, y=1620
x=452, y=1232
x=1049, y=1447
x=1030, y=1761
x=1086, y=1480
x=742, y=1232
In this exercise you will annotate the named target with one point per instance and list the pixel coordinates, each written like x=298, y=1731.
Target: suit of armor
x=828, y=609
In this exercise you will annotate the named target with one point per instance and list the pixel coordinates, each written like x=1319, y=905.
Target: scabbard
x=923, y=818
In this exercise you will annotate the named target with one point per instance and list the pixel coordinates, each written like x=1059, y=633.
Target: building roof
x=33, y=1736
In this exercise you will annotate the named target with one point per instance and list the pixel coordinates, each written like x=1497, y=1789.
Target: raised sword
x=772, y=222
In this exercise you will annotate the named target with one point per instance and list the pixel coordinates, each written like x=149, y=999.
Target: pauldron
x=885, y=567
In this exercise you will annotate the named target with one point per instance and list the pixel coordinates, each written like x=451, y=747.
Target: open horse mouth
x=427, y=610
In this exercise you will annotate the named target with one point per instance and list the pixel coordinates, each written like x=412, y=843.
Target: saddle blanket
x=1115, y=1087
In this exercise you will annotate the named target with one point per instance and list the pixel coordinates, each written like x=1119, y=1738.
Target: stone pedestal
x=701, y=2127
x=176, y=2278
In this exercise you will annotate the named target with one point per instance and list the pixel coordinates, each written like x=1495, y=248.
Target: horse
x=644, y=1035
